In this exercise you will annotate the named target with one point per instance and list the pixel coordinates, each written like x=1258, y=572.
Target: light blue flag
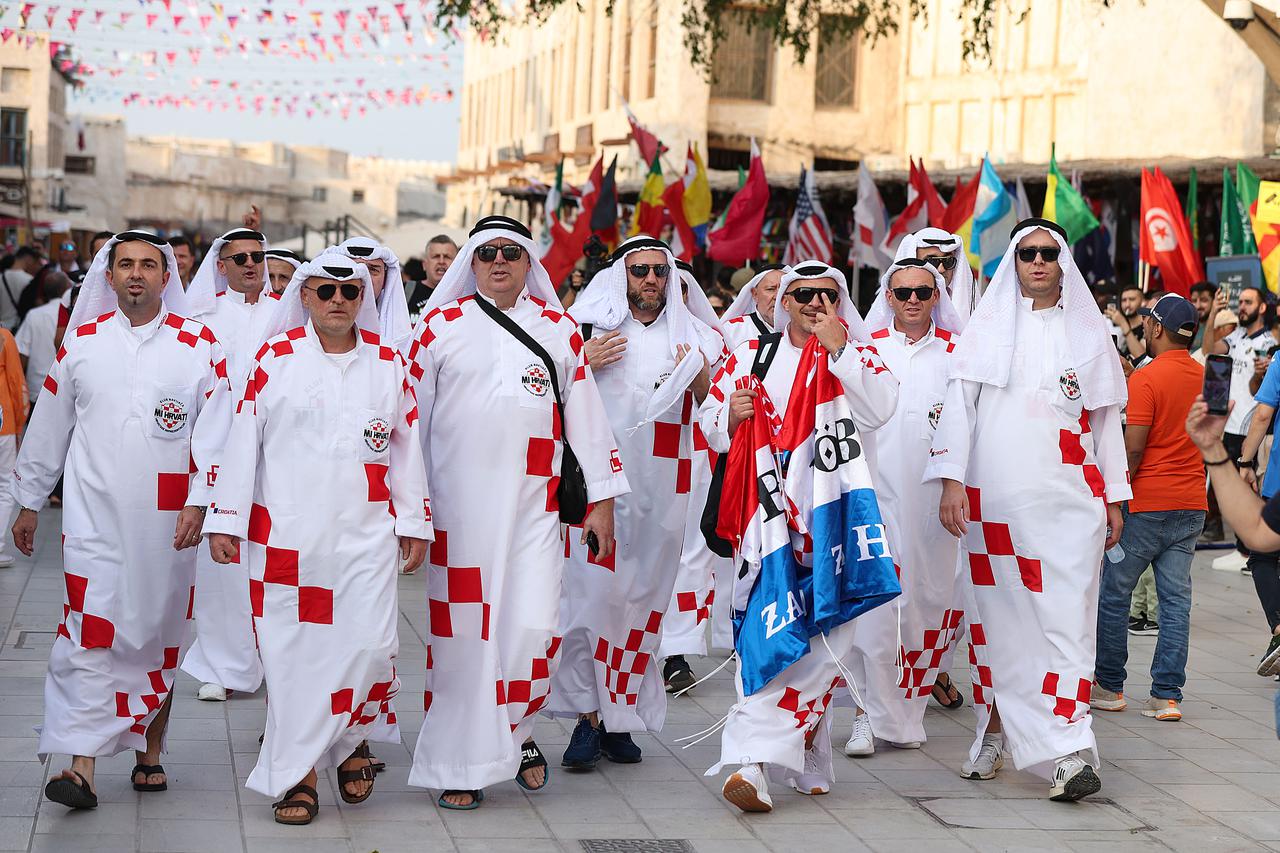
x=994, y=217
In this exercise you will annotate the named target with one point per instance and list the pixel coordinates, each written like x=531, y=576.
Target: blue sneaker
x=618, y=747
x=584, y=747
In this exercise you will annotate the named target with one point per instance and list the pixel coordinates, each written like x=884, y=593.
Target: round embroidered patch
x=170, y=414
x=535, y=380
x=1070, y=384
x=377, y=434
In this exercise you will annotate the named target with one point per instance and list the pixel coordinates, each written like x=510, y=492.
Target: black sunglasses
x=805, y=295
x=903, y=294
x=510, y=252
x=240, y=258
x=642, y=270
x=350, y=292
x=1049, y=253
x=945, y=262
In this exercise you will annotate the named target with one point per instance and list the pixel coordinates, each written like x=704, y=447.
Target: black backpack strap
x=760, y=326
x=766, y=349
x=586, y=331
x=525, y=338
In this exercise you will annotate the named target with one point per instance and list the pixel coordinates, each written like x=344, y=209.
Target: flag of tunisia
x=1165, y=237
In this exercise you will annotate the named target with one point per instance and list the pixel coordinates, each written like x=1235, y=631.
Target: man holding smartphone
x=1162, y=520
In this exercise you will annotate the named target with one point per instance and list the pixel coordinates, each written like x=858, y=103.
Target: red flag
x=566, y=245
x=960, y=210
x=1165, y=237
x=686, y=241
x=648, y=143
x=936, y=207
x=737, y=240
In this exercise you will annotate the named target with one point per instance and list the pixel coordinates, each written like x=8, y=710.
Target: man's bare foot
x=82, y=765
x=150, y=759
x=357, y=788
x=459, y=798
x=297, y=812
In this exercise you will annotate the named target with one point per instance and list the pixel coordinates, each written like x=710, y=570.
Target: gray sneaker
x=989, y=761
x=1270, y=664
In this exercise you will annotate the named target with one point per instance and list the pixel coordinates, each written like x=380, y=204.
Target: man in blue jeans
x=1162, y=521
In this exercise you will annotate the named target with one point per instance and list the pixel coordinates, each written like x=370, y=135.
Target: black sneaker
x=584, y=747
x=618, y=747
x=677, y=675
x=1136, y=622
x=1146, y=629
x=1270, y=664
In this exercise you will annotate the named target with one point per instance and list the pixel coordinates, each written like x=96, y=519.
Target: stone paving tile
x=1208, y=784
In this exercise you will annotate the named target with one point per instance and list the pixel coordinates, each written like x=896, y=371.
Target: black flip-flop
x=66, y=792
x=530, y=758
x=947, y=689
x=477, y=797
x=148, y=770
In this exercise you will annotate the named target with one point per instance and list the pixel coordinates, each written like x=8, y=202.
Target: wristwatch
x=1246, y=463
x=835, y=356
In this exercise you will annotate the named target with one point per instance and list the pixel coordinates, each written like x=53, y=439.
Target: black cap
x=1174, y=313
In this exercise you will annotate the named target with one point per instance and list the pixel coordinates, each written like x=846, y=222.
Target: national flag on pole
x=916, y=214
x=958, y=217
x=1265, y=235
x=604, y=216
x=809, y=235
x=1021, y=204
x=935, y=207
x=697, y=196
x=684, y=243
x=870, y=225
x=737, y=240
x=1193, y=209
x=647, y=218
x=551, y=208
x=1236, y=237
x=1165, y=238
x=995, y=218
x=566, y=246
x=649, y=145
x=1064, y=205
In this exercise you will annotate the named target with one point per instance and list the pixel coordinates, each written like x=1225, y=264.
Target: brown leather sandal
x=364, y=774
x=312, y=808
x=363, y=751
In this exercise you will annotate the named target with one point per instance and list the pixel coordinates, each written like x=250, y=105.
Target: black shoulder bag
x=718, y=545
x=572, y=492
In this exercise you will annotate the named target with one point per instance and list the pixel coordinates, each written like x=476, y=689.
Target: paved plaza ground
x=1210, y=783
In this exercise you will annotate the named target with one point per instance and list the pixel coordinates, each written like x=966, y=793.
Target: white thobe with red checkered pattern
x=132, y=414
x=612, y=609
x=322, y=473
x=894, y=680
x=492, y=437
x=225, y=650
x=1037, y=468
x=770, y=726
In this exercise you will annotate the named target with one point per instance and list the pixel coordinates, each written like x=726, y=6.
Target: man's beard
x=637, y=301
x=1246, y=319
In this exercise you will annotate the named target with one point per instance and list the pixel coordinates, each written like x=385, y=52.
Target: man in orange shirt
x=1164, y=518
x=13, y=417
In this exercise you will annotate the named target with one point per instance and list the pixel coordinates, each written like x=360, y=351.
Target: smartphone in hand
x=1217, y=383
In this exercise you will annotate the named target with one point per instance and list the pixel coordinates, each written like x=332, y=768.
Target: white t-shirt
x=1243, y=349
x=16, y=281
x=35, y=341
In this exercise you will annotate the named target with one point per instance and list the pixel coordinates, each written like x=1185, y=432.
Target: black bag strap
x=765, y=352
x=760, y=326
x=4, y=277
x=534, y=347
x=586, y=331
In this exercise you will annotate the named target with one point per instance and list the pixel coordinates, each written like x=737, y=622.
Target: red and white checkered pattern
x=946, y=336
x=1073, y=706
x=376, y=703
x=979, y=671
x=668, y=443
x=687, y=602
x=189, y=332
x=625, y=665
x=524, y=697
x=920, y=666
x=808, y=714
x=315, y=603
x=93, y=632
x=1070, y=443
x=988, y=540
x=462, y=612
x=161, y=683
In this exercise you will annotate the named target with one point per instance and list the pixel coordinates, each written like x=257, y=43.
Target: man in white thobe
x=132, y=409
x=750, y=315
x=652, y=369
x=322, y=484
x=495, y=439
x=898, y=649
x=226, y=295
x=1029, y=449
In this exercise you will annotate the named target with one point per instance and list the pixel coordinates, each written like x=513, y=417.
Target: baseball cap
x=1174, y=313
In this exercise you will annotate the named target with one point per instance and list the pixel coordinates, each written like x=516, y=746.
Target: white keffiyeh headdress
x=745, y=302
x=96, y=296
x=603, y=304
x=812, y=270
x=393, y=304
x=945, y=315
x=964, y=290
x=288, y=256
x=708, y=325
x=287, y=312
x=985, y=351
x=208, y=282
x=460, y=280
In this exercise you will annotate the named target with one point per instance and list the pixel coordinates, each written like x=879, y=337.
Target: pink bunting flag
x=73, y=19
x=50, y=15
x=194, y=53
x=204, y=21
x=54, y=47
x=151, y=19
x=97, y=16
x=341, y=17
x=177, y=21
x=232, y=20
x=124, y=17
x=5, y=35
x=171, y=56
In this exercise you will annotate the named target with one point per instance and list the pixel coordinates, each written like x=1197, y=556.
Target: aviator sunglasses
x=805, y=295
x=945, y=262
x=642, y=270
x=510, y=252
x=240, y=258
x=325, y=292
x=1049, y=253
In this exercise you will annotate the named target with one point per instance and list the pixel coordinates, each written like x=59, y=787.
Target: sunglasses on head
x=1049, y=253
x=942, y=262
x=325, y=292
x=241, y=258
x=903, y=294
x=642, y=270
x=510, y=252
x=805, y=295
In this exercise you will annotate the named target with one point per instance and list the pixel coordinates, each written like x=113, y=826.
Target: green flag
x=1064, y=205
x=1246, y=194
x=1193, y=208
x=1235, y=238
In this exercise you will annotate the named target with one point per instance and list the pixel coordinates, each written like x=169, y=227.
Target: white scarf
x=710, y=332
x=288, y=313
x=208, y=282
x=810, y=271
x=460, y=280
x=393, y=305
x=96, y=296
x=985, y=351
x=944, y=313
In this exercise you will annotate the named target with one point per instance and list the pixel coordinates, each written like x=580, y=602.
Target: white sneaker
x=817, y=764
x=989, y=761
x=212, y=693
x=861, y=742
x=748, y=790
x=910, y=744
x=6, y=560
x=1232, y=561
x=1073, y=779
